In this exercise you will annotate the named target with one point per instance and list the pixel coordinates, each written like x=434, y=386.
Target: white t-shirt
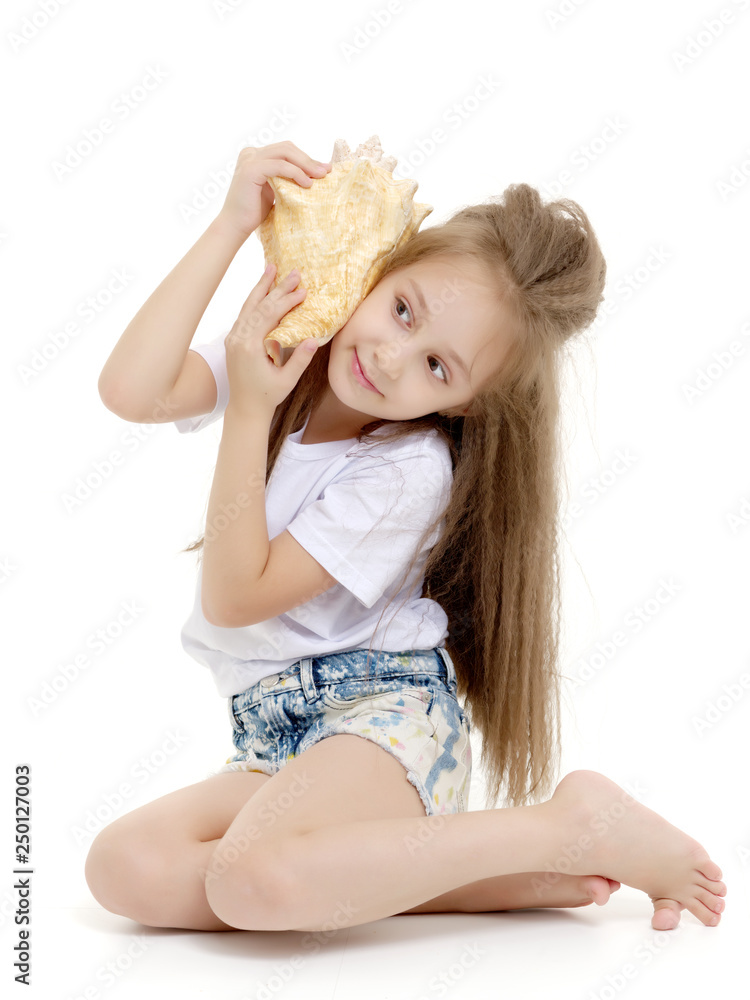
x=359, y=509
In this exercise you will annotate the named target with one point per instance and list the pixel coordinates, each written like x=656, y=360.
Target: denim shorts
x=406, y=704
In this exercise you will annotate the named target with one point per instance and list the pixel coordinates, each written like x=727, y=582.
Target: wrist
x=250, y=412
x=228, y=230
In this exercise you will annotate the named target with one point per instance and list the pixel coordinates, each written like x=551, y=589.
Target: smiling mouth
x=360, y=375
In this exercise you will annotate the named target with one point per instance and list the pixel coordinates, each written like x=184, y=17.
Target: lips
x=360, y=375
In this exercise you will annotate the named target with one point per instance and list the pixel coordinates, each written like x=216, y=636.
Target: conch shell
x=335, y=233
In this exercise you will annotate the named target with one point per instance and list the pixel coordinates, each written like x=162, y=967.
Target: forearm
x=149, y=356
x=236, y=544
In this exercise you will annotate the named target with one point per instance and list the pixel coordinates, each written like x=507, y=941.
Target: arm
x=148, y=358
x=246, y=579
x=236, y=545
x=241, y=577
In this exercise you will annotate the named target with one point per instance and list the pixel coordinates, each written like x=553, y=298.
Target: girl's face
x=426, y=340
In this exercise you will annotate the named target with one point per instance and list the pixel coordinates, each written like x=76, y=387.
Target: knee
x=103, y=868
x=122, y=873
x=250, y=890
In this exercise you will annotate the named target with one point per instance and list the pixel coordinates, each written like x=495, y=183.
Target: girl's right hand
x=250, y=196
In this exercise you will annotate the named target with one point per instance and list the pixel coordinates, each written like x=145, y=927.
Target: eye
x=403, y=302
x=440, y=365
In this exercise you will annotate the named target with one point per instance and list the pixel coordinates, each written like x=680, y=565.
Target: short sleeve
x=214, y=354
x=366, y=526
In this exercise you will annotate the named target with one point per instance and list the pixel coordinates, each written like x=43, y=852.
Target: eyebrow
x=450, y=354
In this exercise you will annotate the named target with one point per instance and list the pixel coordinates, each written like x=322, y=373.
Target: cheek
x=339, y=357
x=340, y=348
x=342, y=335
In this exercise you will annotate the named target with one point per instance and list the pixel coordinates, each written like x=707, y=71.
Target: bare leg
x=590, y=823
x=149, y=864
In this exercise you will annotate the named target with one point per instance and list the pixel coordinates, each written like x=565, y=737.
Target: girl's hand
x=250, y=196
x=256, y=385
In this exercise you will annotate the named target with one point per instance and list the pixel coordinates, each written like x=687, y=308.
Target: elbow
x=223, y=616
x=109, y=396
x=209, y=613
x=105, y=393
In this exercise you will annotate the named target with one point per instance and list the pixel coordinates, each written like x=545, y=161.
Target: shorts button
x=270, y=680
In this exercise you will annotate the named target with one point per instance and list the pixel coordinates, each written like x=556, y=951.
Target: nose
x=392, y=357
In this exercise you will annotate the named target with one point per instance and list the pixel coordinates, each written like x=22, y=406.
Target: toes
x=613, y=885
x=717, y=888
x=709, y=869
x=597, y=889
x=710, y=901
x=666, y=914
x=706, y=915
x=704, y=905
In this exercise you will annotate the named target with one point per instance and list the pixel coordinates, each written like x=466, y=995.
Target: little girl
x=410, y=461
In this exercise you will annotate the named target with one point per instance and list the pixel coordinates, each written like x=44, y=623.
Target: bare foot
x=527, y=890
x=521, y=891
x=617, y=836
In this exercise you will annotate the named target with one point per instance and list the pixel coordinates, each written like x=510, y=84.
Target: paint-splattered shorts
x=408, y=706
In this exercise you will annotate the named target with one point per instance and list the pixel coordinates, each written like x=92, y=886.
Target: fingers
x=285, y=296
x=304, y=176
x=265, y=284
x=289, y=284
x=265, y=305
x=284, y=159
x=288, y=150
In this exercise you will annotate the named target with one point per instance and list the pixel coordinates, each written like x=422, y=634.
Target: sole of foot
x=610, y=832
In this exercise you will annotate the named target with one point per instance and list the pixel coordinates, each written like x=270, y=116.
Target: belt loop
x=450, y=669
x=308, y=680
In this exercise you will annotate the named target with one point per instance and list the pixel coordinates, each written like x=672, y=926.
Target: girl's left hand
x=255, y=383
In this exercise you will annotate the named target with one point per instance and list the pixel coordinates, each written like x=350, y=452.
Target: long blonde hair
x=495, y=567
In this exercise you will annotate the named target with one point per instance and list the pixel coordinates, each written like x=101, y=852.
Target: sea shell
x=335, y=233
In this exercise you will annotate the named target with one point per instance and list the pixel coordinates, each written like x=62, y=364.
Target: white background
x=521, y=93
